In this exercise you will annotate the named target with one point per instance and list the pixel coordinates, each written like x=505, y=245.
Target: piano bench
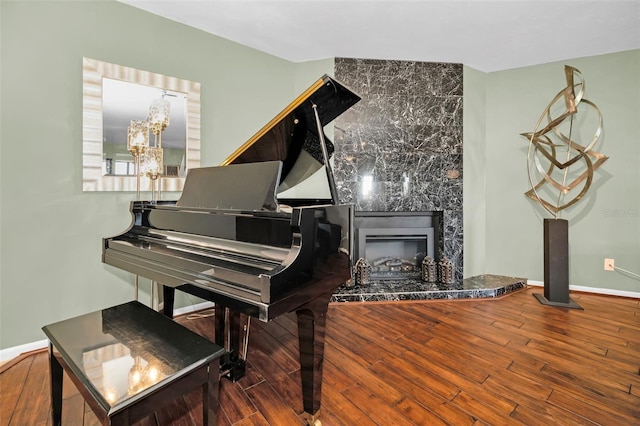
x=129, y=360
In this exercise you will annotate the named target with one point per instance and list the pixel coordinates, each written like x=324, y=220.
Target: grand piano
x=260, y=236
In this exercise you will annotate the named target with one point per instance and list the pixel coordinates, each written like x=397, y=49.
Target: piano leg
x=312, y=318
x=229, y=327
x=168, y=294
x=231, y=332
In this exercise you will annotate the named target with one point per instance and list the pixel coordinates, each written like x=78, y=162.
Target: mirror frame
x=93, y=71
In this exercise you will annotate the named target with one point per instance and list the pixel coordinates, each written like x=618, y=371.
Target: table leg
x=56, y=387
x=210, y=395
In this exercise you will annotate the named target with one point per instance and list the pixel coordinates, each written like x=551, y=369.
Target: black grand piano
x=261, y=235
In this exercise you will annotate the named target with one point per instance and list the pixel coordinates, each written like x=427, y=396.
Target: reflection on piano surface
x=260, y=236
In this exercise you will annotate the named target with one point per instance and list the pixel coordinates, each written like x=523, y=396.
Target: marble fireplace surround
x=400, y=148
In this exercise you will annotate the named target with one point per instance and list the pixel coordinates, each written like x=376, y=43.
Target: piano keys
x=261, y=235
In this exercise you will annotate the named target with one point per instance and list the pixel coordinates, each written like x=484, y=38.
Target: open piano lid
x=292, y=138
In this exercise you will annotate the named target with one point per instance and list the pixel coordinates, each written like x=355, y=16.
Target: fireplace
x=395, y=243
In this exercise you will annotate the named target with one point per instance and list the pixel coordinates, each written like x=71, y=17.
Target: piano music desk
x=128, y=360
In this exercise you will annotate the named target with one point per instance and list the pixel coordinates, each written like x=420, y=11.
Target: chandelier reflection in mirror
x=152, y=165
x=149, y=160
x=159, y=116
x=137, y=143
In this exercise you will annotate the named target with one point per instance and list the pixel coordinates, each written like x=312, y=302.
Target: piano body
x=248, y=236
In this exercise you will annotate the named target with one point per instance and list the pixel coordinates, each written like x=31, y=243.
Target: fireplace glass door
x=395, y=253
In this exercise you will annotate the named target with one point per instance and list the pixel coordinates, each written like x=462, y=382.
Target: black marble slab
x=477, y=287
x=400, y=148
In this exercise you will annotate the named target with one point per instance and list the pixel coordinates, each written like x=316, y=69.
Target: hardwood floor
x=499, y=362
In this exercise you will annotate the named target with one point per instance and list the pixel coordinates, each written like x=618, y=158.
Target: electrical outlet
x=609, y=264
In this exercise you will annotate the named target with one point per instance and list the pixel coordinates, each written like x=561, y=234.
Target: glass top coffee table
x=129, y=360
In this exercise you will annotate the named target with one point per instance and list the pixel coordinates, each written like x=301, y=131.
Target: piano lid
x=292, y=136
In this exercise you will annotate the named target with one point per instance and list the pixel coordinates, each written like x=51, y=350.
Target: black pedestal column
x=556, y=265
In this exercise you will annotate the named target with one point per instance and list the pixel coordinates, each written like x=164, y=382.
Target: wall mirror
x=113, y=95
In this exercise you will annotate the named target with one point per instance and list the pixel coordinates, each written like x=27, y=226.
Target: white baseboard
x=606, y=291
x=10, y=353
x=193, y=308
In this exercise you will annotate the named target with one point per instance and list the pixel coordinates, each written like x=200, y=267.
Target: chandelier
x=149, y=159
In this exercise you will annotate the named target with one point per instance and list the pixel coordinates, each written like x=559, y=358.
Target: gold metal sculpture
x=546, y=146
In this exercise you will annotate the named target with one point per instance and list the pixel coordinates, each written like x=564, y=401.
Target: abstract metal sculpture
x=547, y=143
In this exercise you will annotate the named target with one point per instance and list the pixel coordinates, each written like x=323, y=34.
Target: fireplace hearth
x=477, y=287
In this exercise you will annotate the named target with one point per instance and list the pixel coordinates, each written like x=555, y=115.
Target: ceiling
x=485, y=35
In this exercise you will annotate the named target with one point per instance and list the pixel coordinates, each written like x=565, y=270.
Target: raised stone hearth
x=478, y=287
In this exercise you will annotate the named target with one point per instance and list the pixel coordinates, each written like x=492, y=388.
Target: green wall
x=606, y=223
x=51, y=231
x=50, y=239
x=474, y=173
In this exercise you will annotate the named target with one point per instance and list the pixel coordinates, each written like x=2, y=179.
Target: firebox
x=395, y=243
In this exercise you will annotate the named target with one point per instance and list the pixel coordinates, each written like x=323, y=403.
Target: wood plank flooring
x=499, y=362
